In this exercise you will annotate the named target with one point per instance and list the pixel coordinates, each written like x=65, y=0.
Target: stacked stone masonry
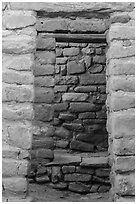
x=43, y=92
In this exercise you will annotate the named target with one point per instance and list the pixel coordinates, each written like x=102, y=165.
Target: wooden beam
x=66, y=37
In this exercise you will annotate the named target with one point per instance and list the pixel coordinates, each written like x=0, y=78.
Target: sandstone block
x=86, y=115
x=125, y=199
x=123, y=124
x=121, y=66
x=45, y=43
x=124, y=146
x=18, y=44
x=87, y=50
x=62, y=158
x=85, y=89
x=96, y=68
x=42, y=70
x=10, y=152
x=121, y=32
x=18, y=19
x=44, y=81
x=15, y=184
x=73, y=126
x=103, y=189
x=61, y=60
x=12, y=167
x=62, y=144
x=59, y=52
x=119, y=18
x=124, y=164
x=93, y=121
x=73, y=51
x=87, y=79
x=122, y=101
x=43, y=112
x=43, y=95
x=79, y=187
x=75, y=68
x=122, y=83
x=66, y=80
x=60, y=185
x=17, y=111
x=94, y=25
x=94, y=188
x=52, y=25
x=14, y=77
x=101, y=114
x=46, y=57
x=77, y=177
x=62, y=44
x=119, y=50
x=84, y=170
x=67, y=116
x=125, y=184
x=68, y=169
x=81, y=146
x=60, y=88
x=42, y=179
x=18, y=93
x=58, y=107
x=102, y=172
x=62, y=133
x=87, y=138
x=74, y=97
x=100, y=59
x=95, y=162
x=18, y=134
x=82, y=107
x=17, y=62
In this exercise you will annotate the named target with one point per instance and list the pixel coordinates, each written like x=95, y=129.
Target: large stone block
x=78, y=127
x=43, y=112
x=85, y=89
x=12, y=167
x=79, y=187
x=66, y=80
x=73, y=51
x=95, y=162
x=18, y=19
x=18, y=134
x=121, y=101
x=45, y=43
x=124, y=146
x=88, y=79
x=118, y=32
x=42, y=70
x=75, y=68
x=74, y=97
x=44, y=143
x=86, y=25
x=125, y=66
x=18, y=93
x=17, y=62
x=123, y=124
x=43, y=95
x=52, y=25
x=124, y=164
x=81, y=146
x=44, y=153
x=14, y=77
x=15, y=184
x=120, y=18
x=44, y=81
x=119, y=49
x=46, y=57
x=17, y=111
x=123, y=83
x=62, y=133
x=18, y=44
x=77, y=177
x=125, y=184
x=58, y=107
x=82, y=107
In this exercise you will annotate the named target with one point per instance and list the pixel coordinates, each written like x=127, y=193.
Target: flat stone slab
x=95, y=162
x=62, y=158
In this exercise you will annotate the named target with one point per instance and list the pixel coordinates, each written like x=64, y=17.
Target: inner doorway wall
x=120, y=63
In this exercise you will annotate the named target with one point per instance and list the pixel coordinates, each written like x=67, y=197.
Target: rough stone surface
x=92, y=79
x=77, y=177
x=74, y=97
x=81, y=146
x=97, y=161
x=79, y=187
x=75, y=68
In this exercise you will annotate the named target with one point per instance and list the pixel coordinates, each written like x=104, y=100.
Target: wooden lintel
x=65, y=37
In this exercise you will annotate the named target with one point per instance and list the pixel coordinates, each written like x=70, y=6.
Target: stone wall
x=19, y=43
x=121, y=105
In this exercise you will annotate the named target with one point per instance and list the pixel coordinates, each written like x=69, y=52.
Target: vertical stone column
x=18, y=47
x=121, y=105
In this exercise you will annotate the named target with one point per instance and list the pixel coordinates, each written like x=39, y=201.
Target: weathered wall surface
x=121, y=105
x=18, y=45
x=19, y=40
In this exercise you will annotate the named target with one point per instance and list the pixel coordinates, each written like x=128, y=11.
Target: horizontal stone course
x=95, y=162
x=82, y=107
x=89, y=79
x=74, y=97
x=85, y=89
x=18, y=44
x=18, y=19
